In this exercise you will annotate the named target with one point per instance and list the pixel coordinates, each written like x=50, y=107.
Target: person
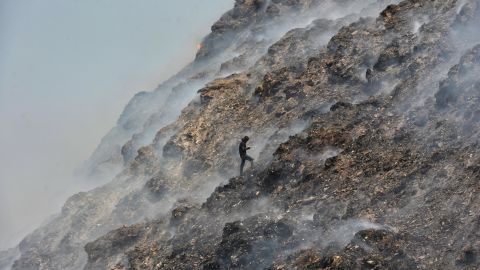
x=242, y=149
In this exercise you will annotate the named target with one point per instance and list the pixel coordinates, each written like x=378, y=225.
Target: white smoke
x=45, y=132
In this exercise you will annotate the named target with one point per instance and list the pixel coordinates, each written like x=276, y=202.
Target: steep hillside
x=363, y=118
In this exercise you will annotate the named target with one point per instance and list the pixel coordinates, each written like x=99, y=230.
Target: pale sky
x=67, y=69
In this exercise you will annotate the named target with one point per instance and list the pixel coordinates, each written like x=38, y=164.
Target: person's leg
x=241, y=166
x=249, y=158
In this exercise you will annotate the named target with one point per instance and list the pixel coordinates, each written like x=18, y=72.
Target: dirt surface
x=364, y=129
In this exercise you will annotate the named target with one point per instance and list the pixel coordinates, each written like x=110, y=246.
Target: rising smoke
x=45, y=135
x=149, y=112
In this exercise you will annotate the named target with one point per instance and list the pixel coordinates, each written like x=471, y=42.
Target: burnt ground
x=367, y=156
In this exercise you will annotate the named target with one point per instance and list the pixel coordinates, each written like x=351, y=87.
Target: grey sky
x=67, y=68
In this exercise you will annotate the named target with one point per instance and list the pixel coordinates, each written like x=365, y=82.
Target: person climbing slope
x=242, y=149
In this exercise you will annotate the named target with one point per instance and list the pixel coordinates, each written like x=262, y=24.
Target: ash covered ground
x=364, y=121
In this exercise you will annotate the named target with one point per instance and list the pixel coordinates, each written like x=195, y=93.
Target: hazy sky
x=67, y=69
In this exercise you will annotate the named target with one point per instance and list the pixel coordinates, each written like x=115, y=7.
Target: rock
x=467, y=256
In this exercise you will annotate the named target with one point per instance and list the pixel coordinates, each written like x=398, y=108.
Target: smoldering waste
x=364, y=119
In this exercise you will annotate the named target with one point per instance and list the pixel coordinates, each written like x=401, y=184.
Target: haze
x=67, y=69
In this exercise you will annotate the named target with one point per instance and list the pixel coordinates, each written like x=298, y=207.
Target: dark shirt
x=242, y=149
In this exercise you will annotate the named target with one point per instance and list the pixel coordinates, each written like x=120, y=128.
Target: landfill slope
x=364, y=123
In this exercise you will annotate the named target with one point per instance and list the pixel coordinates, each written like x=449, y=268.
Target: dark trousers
x=244, y=158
